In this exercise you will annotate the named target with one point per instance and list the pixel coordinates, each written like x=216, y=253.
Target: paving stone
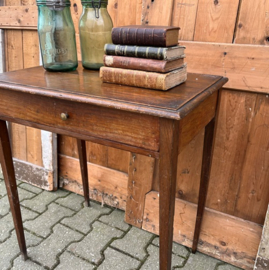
x=46, y=253
x=70, y=261
x=3, y=190
x=42, y=224
x=115, y=219
x=91, y=246
x=20, y=264
x=10, y=248
x=42, y=200
x=139, y=240
x=228, y=267
x=82, y=220
x=25, y=195
x=152, y=262
x=31, y=188
x=7, y=225
x=72, y=201
x=200, y=261
x=4, y=206
x=176, y=248
x=118, y=261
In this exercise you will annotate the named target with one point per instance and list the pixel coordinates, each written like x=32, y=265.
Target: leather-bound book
x=150, y=80
x=160, y=53
x=145, y=35
x=142, y=64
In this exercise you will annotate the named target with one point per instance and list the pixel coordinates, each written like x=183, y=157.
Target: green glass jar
x=56, y=35
x=95, y=28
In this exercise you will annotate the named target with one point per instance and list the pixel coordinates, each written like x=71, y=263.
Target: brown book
x=145, y=79
x=145, y=35
x=142, y=64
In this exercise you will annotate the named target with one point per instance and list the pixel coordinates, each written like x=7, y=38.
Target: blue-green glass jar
x=95, y=28
x=56, y=35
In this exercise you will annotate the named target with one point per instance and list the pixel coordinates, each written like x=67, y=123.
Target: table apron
x=84, y=120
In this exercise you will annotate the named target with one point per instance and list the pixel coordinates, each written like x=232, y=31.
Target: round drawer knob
x=64, y=116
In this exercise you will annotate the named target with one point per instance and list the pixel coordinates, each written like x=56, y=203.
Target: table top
x=85, y=86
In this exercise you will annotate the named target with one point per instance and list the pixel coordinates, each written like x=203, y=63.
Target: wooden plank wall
x=225, y=37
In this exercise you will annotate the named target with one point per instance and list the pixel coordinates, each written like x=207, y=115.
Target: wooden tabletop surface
x=86, y=86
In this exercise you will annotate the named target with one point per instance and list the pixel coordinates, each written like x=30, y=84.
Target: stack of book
x=144, y=56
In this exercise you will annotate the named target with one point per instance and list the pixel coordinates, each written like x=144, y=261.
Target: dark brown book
x=142, y=64
x=145, y=79
x=160, y=53
x=145, y=35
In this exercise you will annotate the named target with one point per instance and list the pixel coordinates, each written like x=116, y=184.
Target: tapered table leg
x=10, y=181
x=205, y=174
x=84, y=170
x=169, y=140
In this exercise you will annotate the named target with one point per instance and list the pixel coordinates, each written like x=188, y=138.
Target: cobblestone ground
x=61, y=234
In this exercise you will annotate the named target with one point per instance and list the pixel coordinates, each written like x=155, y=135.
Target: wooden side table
x=148, y=122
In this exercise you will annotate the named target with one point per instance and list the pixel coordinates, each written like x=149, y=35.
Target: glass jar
x=95, y=28
x=56, y=35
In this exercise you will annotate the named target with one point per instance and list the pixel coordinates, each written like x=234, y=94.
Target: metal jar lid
x=54, y=4
x=95, y=4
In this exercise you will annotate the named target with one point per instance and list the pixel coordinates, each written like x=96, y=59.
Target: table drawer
x=105, y=123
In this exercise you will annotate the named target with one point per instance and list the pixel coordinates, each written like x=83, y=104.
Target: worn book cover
x=145, y=35
x=142, y=64
x=160, y=53
x=150, y=80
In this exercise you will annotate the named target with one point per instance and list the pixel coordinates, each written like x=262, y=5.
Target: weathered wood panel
x=246, y=66
x=222, y=236
x=184, y=16
x=18, y=16
x=106, y=185
x=215, y=20
x=253, y=23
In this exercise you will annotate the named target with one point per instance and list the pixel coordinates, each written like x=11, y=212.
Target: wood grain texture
x=253, y=23
x=184, y=16
x=140, y=175
x=253, y=195
x=238, y=185
x=18, y=17
x=156, y=13
x=244, y=65
x=216, y=20
x=106, y=185
x=131, y=9
x=237, y=239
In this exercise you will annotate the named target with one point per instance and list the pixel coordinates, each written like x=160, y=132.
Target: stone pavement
x=61, y=234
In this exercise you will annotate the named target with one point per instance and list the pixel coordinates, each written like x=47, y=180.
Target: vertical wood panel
x=189, y=169
x=253, y=195
x=184, y=16
x=156, y=12
x=253, y=23
x=234, y=124
x=216, y=20
x=125, y=12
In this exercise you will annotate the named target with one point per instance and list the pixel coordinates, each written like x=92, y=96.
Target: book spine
x=139, y=36
x=133, y=78
x=134, y=63
x=136, y=51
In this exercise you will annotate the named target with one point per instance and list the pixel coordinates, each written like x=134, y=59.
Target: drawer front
x=105, y=123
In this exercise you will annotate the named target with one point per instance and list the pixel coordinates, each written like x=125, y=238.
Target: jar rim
x=94, y=1
x=54, y=3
